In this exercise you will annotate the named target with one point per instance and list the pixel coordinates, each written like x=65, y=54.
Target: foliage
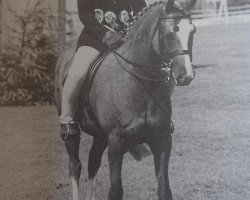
x=28, y=60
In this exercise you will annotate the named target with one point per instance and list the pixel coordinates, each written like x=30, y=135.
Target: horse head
x=172, y=37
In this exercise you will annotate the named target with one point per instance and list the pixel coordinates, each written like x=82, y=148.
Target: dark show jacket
x=98, y=16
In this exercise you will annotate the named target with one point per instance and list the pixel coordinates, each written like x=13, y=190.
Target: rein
x=139, y=75
x=135, y=64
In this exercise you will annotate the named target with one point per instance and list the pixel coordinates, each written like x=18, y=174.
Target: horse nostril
x=181, y=78
x=184, y=80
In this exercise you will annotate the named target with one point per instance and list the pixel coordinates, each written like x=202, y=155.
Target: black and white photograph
x=125, y=100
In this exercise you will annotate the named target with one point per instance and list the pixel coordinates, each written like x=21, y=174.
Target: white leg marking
x=91, y=189
x=75, y=189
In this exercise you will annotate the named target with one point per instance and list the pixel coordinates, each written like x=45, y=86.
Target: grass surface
x=211, y=145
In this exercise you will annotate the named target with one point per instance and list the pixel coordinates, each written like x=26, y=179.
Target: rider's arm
x=138, y=5
x=87, y=17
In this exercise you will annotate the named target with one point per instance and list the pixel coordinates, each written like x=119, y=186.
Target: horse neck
x=138, y=47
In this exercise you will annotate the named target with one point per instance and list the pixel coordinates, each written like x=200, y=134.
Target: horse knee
x=98, y=147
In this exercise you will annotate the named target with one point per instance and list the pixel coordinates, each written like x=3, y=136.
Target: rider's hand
x=113, y=39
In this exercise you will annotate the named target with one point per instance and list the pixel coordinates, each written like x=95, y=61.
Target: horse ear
x=186, y=4
x=170, y=4
x=191, y=4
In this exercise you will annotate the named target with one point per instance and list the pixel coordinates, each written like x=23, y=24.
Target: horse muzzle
x=184, y=80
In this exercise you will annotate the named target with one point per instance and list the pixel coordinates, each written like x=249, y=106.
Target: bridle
x=166, y=65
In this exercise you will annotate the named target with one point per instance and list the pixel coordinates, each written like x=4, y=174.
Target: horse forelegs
x=115, y=154
x=164, y=191
x=154, y=147
x=95, y=157
x=75, y=166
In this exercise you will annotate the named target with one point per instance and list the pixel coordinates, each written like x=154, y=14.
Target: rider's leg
x=70, y=130
x=84, y=56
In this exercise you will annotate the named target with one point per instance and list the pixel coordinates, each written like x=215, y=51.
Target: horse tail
x=140, y=151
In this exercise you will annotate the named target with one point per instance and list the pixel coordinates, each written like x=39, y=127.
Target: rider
x=105, y=21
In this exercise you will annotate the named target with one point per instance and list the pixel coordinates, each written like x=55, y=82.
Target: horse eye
x=175, y=29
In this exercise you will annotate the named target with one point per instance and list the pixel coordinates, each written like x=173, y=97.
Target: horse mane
x=139, y=36
x=141, y=15
x=145, y=10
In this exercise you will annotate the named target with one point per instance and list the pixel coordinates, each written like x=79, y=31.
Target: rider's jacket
x=98, y=16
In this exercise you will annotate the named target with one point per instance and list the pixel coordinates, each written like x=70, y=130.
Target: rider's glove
x=112, y=39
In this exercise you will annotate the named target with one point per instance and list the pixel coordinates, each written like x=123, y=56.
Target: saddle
x=90, y=76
